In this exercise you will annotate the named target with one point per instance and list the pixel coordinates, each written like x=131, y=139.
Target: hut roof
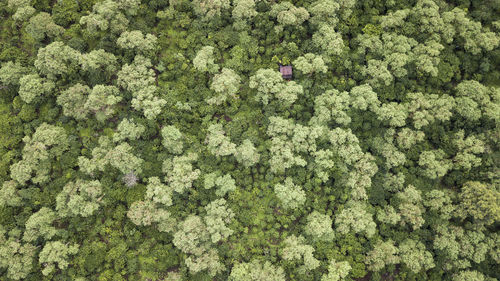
x=286, y=71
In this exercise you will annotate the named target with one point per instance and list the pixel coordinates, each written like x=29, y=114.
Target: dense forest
x=158, y=140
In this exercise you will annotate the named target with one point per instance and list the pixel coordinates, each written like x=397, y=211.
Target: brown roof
x=286, y=71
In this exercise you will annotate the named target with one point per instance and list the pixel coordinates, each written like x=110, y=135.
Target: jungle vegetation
x=157, y=140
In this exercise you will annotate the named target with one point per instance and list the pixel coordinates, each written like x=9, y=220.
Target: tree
x=158, y=192
x=266, y=81
x=468, y=275
x=324, y=11
x=11, y=73
x=47, y=143
x=101, y=101
x=172, y=139
x=128, y=130
x=257, y=271
x=216, y=219
x=434, y=164
x=58, y=253
x=411, y=208
x=468, y=149
x=139, y=79
x=146, y=213
x=224, y=183
x=288, y=15
x=180, y=172
x=310, y=63
x=295, y=249
x=210, y=8
x=72, y=101
x=425, y=110
x=105, y=16
x=363, y=98
x=269, y=83
x=328, y=41
x=136, y=41
x=226, y=83
x=378, y=73
x=332, y=105
x=218, y=143
x=33, y=86
x=355, y=218
x=246, y=154
x=9, y=195
x=480, y=202
x=414, y=255
x=42, y=26
x=119, y=157
x=382, y=254
x=243, y=11
x=204, y=60
x=319, y=227
x=57, y=59
x=79, y=198
x=16, y=257
x=290, y=195
x=193, y=239
x=473, y=100
x=336, y=271
x=22, y=8
x=39, y=224
x=99, y=62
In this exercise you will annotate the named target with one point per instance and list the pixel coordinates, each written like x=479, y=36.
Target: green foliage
x=158, y=140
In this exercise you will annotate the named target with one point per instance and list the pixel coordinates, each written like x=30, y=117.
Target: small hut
x=286, y=71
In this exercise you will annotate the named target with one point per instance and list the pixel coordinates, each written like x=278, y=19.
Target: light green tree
x=9, y=194
x=42, y=26
x=319, y=227
x=310, y=63
x=127, y=129
x=257, y=271
x=225, y=84
x=415, y=256
x=11, y=73
x=354, y=217
x=337, y=271
x=290, y=195
x=216, y=220
x=33, y=86
x=204, y=60
x=40, y=224
x=434, y=164
x=210, y=8
x=136, y=41
x=480, y=201
x=57, y=59
x=295, y=249
x=217, y=142
x=246, y=154
x=48, y=142
x=180, y=172
x=172, y=139
x=382, y=255
x=328, y=41
x=72, y=101
x=79, y=198
x=101, y=101
x=106, y=15
x=16, y=257
x=56, y=253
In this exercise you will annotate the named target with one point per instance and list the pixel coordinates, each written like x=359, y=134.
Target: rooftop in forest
x=286, y=71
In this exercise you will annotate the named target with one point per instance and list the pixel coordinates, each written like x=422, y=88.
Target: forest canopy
x=161, y=140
